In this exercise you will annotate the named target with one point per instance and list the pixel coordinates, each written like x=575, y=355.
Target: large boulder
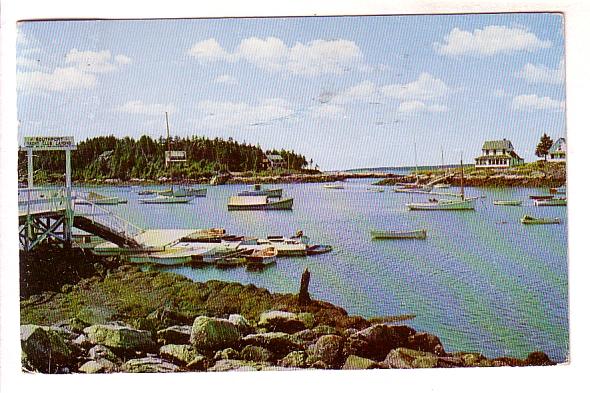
x=101, y=352
x=178, y=334
x=242, y=323
x=425, y=342
x=121, y=338
x=234, y=365
x=410, y=358
x=354, y=362
x=227, y=353
x=256, y=354
x=181, y=354
x=149, y=365
x=75, y=325
x=283, y=321
x=98, y=366
x=45, y=350
x=327, y=349
x=376, y=341
x=277, y=342
x=210, y=334
x=295, y=359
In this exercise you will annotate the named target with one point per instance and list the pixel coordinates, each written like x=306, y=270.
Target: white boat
x=442, y=185
x=173, y=256
x=259, y=191
x=388, y=234
x=551, y=202
x=375, y=189
x=161, y=199
x=336, y=186
x=446, y=204
x=284, y=246
x=507, y=203
x=262, y=257
x=99, y=199
x=258, y=203
x=539, y=221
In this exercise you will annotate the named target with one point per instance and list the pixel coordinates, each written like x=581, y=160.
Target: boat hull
x=551, y=202
x=285, y=204
x=467, y=204
x=272, y=193
x=165, y=200
x=540, y=221
x=186, y=192
x=507, y=203
x=382, y=234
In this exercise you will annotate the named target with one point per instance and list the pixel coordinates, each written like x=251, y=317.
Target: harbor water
x=481, y=280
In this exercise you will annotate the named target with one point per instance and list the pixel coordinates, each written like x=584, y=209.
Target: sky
x=347, y=92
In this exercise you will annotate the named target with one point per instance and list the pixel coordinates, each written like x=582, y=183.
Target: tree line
x=106, y=157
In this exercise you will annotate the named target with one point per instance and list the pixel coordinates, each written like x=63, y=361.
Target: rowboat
x=541, y=197
x=334, y=186
x=387, y=234
x=161, y=199
x=258, y=203
x=507, y=203
x=318, y=249
x=533, y=220
x=262, y=257
x=259, y=191
x=551, y=202
x=184, y=192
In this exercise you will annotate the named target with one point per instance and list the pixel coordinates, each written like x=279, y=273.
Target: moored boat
x=507, y=203
x=184, y=192
x=375, y=189
x=541, y=197
x=258, y=203
x=442, y=185
x=259, y=191
x=262, y=257
x=533, y=220
x=161, y=199
x=317, y=249
x=173, y=256
x=388, y=234
x=336, y=186
x=98, y=199
x=146, y=192
x=551, y=202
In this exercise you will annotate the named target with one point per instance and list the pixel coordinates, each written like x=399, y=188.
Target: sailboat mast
x=416, y=162
x=462, y=190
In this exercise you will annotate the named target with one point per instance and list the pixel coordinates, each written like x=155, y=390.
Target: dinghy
x=387, y=234
x=532, y=220
x=551, y=202
x=258, y=203
x=507, y=203
x=259, y=191
x=263, y=257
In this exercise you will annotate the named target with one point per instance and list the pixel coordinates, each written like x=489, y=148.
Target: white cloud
x=327, y=111
x=227, y=79
x=426, y=87
x=61, y=79
x=489, y=41
x=140, y=108
x=364, y=91
x=25, y=62
x=500, y=93
x=95, y=62
x=419, y=106
x=225, y=114
x=532, y=102
x=536, y=74
x=314, y=58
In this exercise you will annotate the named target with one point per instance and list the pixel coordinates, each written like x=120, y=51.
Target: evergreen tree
x=544, y=146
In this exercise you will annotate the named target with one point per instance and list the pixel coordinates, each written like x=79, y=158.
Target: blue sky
x=347, y=92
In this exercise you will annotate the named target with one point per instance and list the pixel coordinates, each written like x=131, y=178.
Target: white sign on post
x=49, y=143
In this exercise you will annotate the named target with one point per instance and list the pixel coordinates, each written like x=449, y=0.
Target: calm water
x=481, y=281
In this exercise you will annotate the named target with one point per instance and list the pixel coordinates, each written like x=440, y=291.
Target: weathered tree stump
x=303, y=288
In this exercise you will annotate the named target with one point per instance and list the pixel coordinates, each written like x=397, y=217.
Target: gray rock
x=426, y=342
x=256, y=354
x=327, y=349
x=295, y=359
x=376, y=341
x=242, y=323
x=281, y=321
x=75, y=325
x=354, y=362
x=277, y=342
x=175, y=335
x=234, y=365
x=410, y=358
x=98, y=366
x=149, y=365
x=181, y=354
x=120, y=337
x=210, y=334
x=102, y=352
x=82, y=341
x=43, y=349
x=199, y=363
x=323, y=330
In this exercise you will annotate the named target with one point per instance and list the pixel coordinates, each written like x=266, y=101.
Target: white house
x=558, y=151
x=498, y=154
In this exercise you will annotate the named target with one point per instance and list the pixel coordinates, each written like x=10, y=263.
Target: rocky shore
x=127, y=320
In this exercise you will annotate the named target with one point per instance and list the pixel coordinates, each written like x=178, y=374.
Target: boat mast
x=462, y=189
x=416, y=162
x=168, y=148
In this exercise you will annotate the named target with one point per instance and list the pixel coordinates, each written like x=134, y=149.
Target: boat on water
x=335, y=186
x=446, y=204
x=375, y=189
x=388, y=234
x=317, y=249
x=507, y=203
x=409, y=187
x=172, y=256
x=541, y=197
x=258, y=203
x=533, y=220
x=551, y=202
x=146, y=192
x=284, y=246
x=259, y=191
x=442, y=185
x=98, y=199
x=263, y=257
x=161, y=199
x=184, y=192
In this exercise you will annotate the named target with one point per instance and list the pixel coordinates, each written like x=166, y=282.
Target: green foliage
x=543, y=147
x=106, y=157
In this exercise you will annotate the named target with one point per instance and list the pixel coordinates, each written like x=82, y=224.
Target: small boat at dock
x=533, y=220
x=507, y=203
x=98, y=199
x=263, y=257
x=551, y=202
x=258, y=203
x=388, y=234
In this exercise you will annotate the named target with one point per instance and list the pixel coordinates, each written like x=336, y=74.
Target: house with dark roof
x=558, y=151
x=273, y=161
x=498, y=154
